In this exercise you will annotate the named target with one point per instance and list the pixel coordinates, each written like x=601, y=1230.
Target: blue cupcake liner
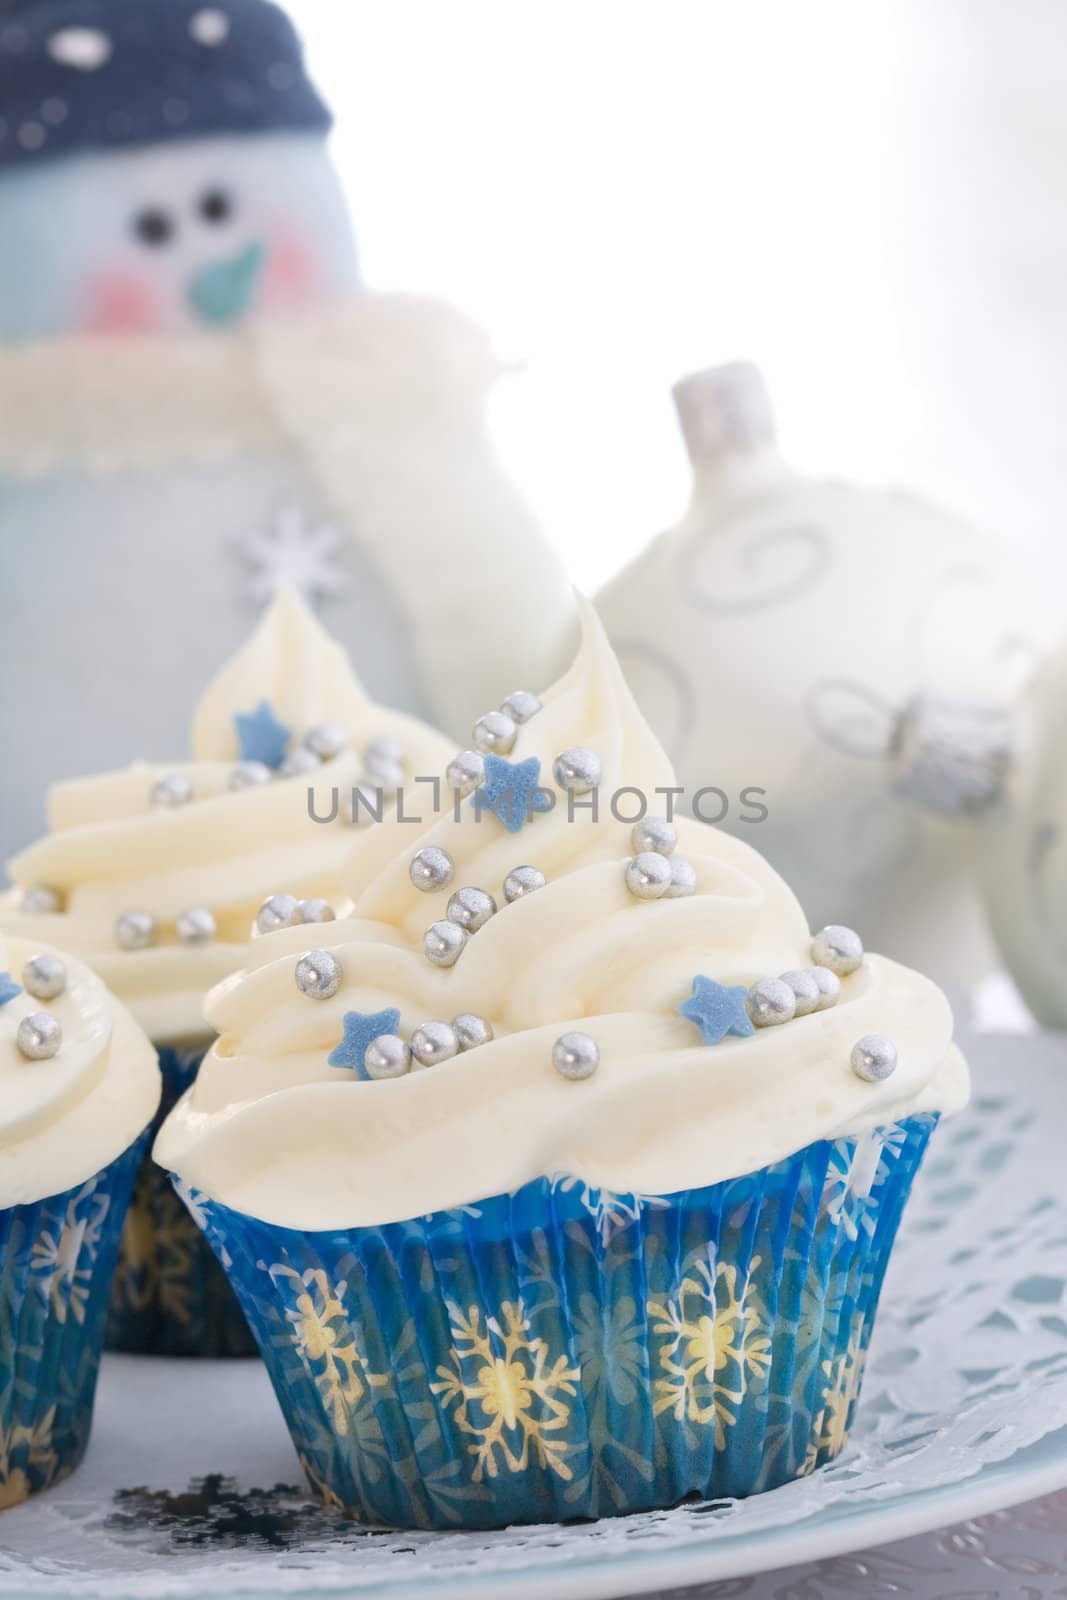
x=568, y=1352
x=57, y=1258
x=170, y=1296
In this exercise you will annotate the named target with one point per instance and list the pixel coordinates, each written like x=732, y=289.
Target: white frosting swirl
x=271, y=1129
x=64, y=1119
x=110, y=850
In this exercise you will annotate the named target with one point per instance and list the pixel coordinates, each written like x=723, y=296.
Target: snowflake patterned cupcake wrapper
x=565, y=1352
x=171, y=1297
x=57, y=1260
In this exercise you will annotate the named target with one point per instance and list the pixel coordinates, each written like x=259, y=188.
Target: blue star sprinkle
x=717, y=1010
x=512, y=791
x=360, y=1031
x=262, y=736
x=8, y=988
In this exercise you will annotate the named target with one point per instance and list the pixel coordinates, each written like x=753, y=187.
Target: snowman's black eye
x=153, y=226
x=216, y=206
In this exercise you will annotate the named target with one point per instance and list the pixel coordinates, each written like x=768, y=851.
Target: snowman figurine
x=200, y=402
x=837, y=669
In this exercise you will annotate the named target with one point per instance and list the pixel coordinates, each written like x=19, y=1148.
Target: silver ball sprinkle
x=44, y=976
x=319, y=974
x=840, y=949
x=250, y=775
x=317, y=911
x=387, y=1056
x=648, y=876
x=522, y=881
x=471, y=1030
x=874, y=1057
x=829, y=986
x=386, y=776
x=495, y=734
x=771, y=1002
x=578, y=770
x=39, y=1036
x=326, y=740
x=173, y=789
x=298, y=763
x=471, y=909
x=40, y=901
x=575, y=1055
x=443, y=943
x=432, y=868
x=521, y=705
x=655, y=834
x=433, y=1043
x=383, y=752
x=196, y=926
x=279, y=911
x=135, y=930
x=683, y=879
x=806, y=989
x=466, y=772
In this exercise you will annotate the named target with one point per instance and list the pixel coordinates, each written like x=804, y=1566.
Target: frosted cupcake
x=79, y=1085
x=561, y=1179
x=155, y=877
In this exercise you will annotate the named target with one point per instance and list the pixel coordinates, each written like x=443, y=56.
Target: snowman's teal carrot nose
x=223, y=291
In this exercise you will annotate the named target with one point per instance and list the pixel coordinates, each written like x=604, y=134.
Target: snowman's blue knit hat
x=111, y=74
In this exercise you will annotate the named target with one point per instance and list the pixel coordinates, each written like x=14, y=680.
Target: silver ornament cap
x=387, y=1056
x=135, y=930
x=578, y=770
x=471, y=1030
x=433, y=1043
x=443, y=943
x=39, y=1036
x=319, y=974
x=431, y=869
x=575, y=1055
x=495, y=734
x=44, y=976
x=839, y=948
x=522, y=881
x=471, y=909
x=874, y=1058
x=648, y=876
x=277, y=912
x=655, y=834
x=770, y=1003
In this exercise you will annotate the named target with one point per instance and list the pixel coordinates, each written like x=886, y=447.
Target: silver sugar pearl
x=806, y=989
x=829, y=986
x=443, y=942
x=874, y=1057
x=575, y=1055
x=655, y=834
x=250, y=775
x=471, y=1030
x=578, y=770
x=471, y=909
x=466, y=771
x=135, y=930
x=495, y=734
x=279, y=911
x=521, y=705
x=648, y=876
x=326, y=740
x=432, y=868
x=683, y=878
x=317, y=911
x=298, y=763
x=319, y=974
x=44, y=976
x=840, y=949
x=771, y=1002
x=433, y=1043
x=385, y=751
x=173, y=789
x=387, y=1056
x=387, y=776
x=196, y=926
x=521, y=881
x=39, y=1036
x=39, y=901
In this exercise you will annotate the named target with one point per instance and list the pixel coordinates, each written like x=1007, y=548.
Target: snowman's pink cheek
x=122, y=302
x=293, y=276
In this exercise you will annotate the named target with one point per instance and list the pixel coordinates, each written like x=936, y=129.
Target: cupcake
x=79, y=1086
x=560, y=1180
x=156, y=875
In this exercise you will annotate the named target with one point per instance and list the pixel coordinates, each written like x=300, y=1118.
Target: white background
x=866, y=197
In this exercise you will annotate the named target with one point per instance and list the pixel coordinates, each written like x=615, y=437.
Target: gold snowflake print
x=33, y=1446
x=64, y=1256
x=324, y=1337
x=509, y=1400
x=829, y=1426
x=714, y=1345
